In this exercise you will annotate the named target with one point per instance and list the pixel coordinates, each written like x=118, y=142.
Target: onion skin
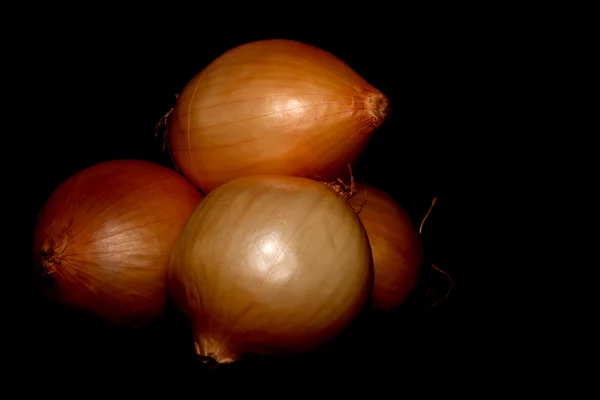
x=103, y=240
x=273, y=107
x=270, y=265
x=395, y=244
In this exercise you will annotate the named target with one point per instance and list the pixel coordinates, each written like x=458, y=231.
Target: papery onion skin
x=395, y=244
x=270, y=265
x=103, y=239
x=273, y=107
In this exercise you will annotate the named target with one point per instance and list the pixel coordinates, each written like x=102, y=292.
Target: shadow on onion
x=402, y=339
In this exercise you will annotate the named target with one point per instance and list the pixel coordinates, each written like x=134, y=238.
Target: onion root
x=162, y=128
x=345, y=190
x=427, y=215
x=433, y=265
x=449, y=288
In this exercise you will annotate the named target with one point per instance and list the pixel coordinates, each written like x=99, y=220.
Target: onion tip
x=378, y=106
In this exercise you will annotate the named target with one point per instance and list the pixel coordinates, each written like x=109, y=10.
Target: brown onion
x=270, y=265
x=395, y=244
x=104, y=238
x=273, y=107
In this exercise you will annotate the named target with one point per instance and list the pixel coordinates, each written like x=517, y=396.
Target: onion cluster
x=258, y=254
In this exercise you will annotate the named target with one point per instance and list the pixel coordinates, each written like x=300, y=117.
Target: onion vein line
x=264, y=98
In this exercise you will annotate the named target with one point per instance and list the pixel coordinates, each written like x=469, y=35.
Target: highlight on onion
x=270, y=265
x=395, y=244
x=272, y=107
x=103, y=239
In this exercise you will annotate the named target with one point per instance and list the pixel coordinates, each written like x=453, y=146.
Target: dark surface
x=97, y=90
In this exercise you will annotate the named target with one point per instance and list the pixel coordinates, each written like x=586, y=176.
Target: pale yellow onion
x=273, y=107
x=395, y=244
x=270, y=265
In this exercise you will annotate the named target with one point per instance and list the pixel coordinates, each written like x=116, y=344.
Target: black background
x=96, y=85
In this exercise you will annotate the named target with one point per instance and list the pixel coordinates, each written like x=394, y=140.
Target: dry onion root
x=103, y=239
x=433, y=265
x=272, y=107
x=270, y=265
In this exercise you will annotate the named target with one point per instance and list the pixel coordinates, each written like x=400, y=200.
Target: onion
x=395, y=244
x=270, y=265
x=273, y=107
x=104, y=238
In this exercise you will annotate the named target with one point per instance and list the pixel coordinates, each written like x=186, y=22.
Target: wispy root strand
x=345, y=190
x=162, y=128
x=433, y=265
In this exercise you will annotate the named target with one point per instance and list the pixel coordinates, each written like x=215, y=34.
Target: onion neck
x=212, y=351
